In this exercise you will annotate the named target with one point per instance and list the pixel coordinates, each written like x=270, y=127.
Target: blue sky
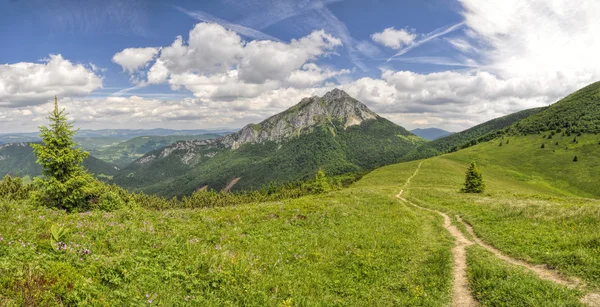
x=443, y=63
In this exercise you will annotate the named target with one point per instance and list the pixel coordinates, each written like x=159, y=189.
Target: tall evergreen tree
x=65, y=184
x=474, y=180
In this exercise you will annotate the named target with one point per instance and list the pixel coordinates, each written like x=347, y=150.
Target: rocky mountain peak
x=333, y=108
x=336, y=94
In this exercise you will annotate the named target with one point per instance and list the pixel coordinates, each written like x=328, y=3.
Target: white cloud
x=34, y=83
x=133, y=59
x=210, y=49
x=537, y=38
x=452, y=100
x=393, y=38
x=268, y=60
x=217, y=64
x=312, y=75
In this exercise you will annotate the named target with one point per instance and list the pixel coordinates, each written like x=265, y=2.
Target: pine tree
x=543, y=145
x=65, y=183
x=575, y=159
x=474, y=180
x=321, y=185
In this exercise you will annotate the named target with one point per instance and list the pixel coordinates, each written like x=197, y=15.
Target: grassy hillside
x=478, y=134
x=576, y=113
x=329, y=147
x=348, y=248
x=125, y=152
x=539, y=205
x=19, y=160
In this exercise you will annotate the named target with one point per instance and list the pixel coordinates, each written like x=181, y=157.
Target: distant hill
x=431, y=133
x=335, y=133
x=480, y=133
x=18, y=159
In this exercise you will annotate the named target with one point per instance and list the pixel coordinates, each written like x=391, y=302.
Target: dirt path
x=461, y=294
x=543, y=272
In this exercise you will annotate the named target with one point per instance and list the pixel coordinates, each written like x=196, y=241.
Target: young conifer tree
x=474, y=180
x=65, y=184
x=321, y=185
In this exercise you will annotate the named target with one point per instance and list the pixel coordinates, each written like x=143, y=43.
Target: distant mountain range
x=336, y=133
x=112, y=134
x=431, y=133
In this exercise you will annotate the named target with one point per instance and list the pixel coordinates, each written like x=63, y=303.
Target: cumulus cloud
x=211, y=49
x=133, y=59
x=393, y=38
x=215, y=63
x=35, y=83
x=268, y=60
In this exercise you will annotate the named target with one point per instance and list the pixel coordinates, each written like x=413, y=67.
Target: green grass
x=495, y=283
x=354, y=247
x=537, y=205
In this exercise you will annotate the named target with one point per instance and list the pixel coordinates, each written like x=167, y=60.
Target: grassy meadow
x=537, y=207
x=351, y=247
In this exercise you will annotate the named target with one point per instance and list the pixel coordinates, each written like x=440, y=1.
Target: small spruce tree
x=474, y=180
x=321, y=185
x=575, y=159
x=543, y=145
x=65, y=184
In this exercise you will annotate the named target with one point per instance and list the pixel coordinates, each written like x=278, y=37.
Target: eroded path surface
x=461, y=294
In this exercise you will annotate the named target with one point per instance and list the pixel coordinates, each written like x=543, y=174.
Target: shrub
x=14, y=188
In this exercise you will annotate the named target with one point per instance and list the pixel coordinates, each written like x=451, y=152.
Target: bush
x=13, y=188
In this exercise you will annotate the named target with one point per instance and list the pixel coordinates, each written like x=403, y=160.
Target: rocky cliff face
x=335, y=107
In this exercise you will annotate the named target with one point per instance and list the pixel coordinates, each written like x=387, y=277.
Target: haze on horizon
x=187, y=65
